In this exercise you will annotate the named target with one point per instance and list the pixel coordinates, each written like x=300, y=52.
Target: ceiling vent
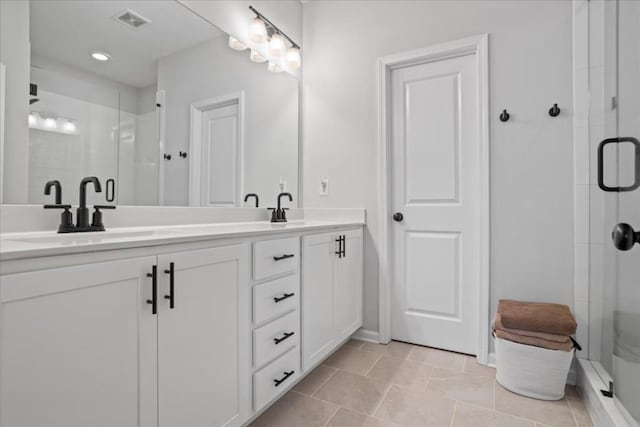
x=131, y=19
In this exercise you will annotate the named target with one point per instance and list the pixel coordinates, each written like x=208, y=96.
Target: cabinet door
x=347, y=297
x=203, y=342
x=78, y=346
x=317, y=294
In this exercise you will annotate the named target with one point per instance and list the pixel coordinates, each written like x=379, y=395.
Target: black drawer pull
x=285, y=256
x=284, y=337
x=283, y=379
x=154, y=289
x=283, y=297
x=339, y=251
x=172, y=294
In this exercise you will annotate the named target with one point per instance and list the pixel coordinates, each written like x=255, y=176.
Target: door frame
x=475, y=45
x=196, y=110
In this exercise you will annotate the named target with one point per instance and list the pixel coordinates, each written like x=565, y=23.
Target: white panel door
x=79, y=347
x=203, y=342
x=435, y=157
x=220, y=156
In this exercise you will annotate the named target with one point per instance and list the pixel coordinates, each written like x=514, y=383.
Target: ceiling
x=68, y=31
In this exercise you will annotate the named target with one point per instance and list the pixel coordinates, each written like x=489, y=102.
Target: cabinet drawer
x=273, y=257
x=275, y=338
x=274, y=298
x=274, y=378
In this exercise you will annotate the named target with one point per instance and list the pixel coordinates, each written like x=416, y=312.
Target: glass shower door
x=619, y=178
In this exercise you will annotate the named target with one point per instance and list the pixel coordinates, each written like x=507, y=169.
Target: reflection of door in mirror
x=216, y=147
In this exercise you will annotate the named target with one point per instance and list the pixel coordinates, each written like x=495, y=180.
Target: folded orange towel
x=536, y=342
x=538, y=317
x=497, y=324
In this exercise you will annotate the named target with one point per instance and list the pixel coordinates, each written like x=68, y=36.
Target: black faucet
x=55, y=184
x=279, y=214
x=252, y=195
x=66, y=218
x=82, y=214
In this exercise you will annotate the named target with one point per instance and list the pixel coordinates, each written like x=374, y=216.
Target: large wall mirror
x=148, y=94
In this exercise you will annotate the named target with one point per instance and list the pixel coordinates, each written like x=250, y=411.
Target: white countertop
x=24, y=245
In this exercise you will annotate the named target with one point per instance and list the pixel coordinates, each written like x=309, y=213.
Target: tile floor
x=403, y=385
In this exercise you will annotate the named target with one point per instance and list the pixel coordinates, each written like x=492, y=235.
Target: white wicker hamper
x=532, y=371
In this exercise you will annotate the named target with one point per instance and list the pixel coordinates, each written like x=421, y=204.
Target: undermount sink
x=90, y=237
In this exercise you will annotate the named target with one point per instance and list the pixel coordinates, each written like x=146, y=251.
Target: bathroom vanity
x=176, y=325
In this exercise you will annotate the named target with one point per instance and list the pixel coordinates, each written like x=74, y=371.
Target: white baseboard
x=366, y=335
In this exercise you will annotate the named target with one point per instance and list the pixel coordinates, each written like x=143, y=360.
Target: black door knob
x=624, y=236
x=398, y=217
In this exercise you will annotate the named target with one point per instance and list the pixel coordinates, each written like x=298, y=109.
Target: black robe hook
x=504, y=116
x=554, y=111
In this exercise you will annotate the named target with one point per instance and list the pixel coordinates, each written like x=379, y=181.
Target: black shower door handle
x=636, y=181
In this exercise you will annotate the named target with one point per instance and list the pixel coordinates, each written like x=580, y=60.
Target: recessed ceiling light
x=101, y=56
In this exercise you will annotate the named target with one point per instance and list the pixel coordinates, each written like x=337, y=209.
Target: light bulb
x=32, y=120
x=236, y=44
x=293, y=57
x=277, y=46
x=257, y=31
x=101, y=56
x=50, y=123
x=69, y=127
x=274, y=67
x=256, y=56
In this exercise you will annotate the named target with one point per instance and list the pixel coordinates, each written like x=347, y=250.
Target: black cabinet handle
x=339, y=251
x=284, y=337
x=398, y=217
x=283, y=379
x=283, y=297
x=636, y=181
x=172, y=293
x=344, y=246
x=285, y=256
x=154, y=289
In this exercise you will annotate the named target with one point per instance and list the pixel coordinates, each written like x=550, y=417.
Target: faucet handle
x=66, y=217
x=96, y=219
x=57, y=207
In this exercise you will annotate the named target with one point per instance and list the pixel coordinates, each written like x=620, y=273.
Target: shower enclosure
x=614, y=201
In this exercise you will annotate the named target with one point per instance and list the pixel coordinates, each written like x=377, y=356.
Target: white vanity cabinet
x=203, y=341
x=78, y=346
x=81, y=345
x=196, y=333
x=332, y=292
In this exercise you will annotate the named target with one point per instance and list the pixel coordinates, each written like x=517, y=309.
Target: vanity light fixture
x=262, y=30
x=293, y=57
x=236, y=44
x=101, y=56
x=69, y=127
x=277, y=46
x=256, y=56
x=50, y=123
x=258, y=30
x=274, y=67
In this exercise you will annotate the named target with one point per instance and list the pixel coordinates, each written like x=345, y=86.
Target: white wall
x=211, y=70
x=14, y=54
x=531, y=155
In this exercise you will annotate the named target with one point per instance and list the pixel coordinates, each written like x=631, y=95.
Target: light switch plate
x=324, y=186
